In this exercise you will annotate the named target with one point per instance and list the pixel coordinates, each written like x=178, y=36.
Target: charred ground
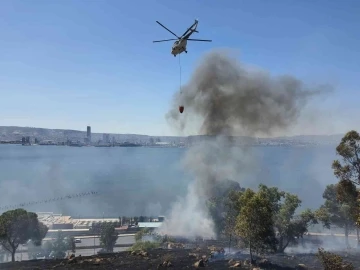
x=179, y=259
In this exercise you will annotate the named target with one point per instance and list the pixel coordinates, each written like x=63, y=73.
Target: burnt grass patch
x=196, y=258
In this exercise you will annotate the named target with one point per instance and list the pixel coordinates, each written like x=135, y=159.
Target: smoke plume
x=231, y=99
x=225, y=98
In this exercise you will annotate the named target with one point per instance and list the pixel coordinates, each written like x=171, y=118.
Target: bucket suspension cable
x=181, y=106
x=180, y=74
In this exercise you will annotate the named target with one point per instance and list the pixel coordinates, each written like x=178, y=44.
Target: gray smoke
x=231, y=99
x=225, y=98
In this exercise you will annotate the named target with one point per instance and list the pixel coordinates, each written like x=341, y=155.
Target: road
x=83, y=252
x=91, y=241
x=334, y=234
x=86, y=241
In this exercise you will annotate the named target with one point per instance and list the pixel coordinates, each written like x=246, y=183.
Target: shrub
x=146, y=245
x=331, y=261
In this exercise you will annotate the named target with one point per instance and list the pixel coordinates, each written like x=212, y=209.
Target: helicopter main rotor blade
x=168, y=30
x=207, y=40
x=189, y=29
x=164, y=40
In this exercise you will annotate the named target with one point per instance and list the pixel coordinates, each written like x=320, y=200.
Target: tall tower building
x=88, y=133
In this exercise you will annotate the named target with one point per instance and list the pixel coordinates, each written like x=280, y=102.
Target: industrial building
x=81, y=225
x=88, y=134
x=150, y=225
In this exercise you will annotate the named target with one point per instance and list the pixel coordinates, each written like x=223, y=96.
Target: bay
x=139, y=180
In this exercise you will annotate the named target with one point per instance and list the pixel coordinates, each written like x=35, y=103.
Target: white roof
x=149, y=224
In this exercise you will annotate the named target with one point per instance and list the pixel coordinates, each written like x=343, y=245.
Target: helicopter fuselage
x=178, y=47
x=180, y=44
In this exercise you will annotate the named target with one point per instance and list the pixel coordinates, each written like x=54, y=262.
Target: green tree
x=108, y=237
x=140, y=234
x=349, y=150
x=347, y=170
x=220, y=204
x=141, y=219
x=56, y=248
x=288, y=227
x=322, y=215
x=334, y=212
x=70, y=243
x=255, y=222
x=216, y=212
x=61, y=245
x=17, y=227
x=348, y=195
x=233, y=208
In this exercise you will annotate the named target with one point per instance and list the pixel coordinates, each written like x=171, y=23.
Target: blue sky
x=68, y=64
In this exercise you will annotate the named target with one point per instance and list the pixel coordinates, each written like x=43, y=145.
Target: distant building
x=106, y=138
x=150, y=225
x=62, y=226
x=162, y=144
x=88, y=133
x=26, y=140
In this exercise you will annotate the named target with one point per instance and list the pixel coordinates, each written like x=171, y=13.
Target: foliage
x=220, y=206
x=17, y=227
x=233, y=208
x=108, y=237
x=347, y=170
x=146, y=245
x=331, y=261
x=139, y=235
x=215, y=207
x=348, y=195
x=255, y=223
x=156, y=240
x=287, y=226
x=167, y=238
x=349, y=149
x=58, y=247
x=322, y=215
x=70, y=243
x=335, y=212
x=307, y=218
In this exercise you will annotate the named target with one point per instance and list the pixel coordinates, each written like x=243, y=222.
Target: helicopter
x=181, y=42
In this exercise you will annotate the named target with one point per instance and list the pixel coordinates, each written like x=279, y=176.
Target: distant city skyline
x=61, y=68
x=105, y=136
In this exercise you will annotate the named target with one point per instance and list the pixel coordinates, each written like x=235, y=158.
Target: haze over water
x=142, y=181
